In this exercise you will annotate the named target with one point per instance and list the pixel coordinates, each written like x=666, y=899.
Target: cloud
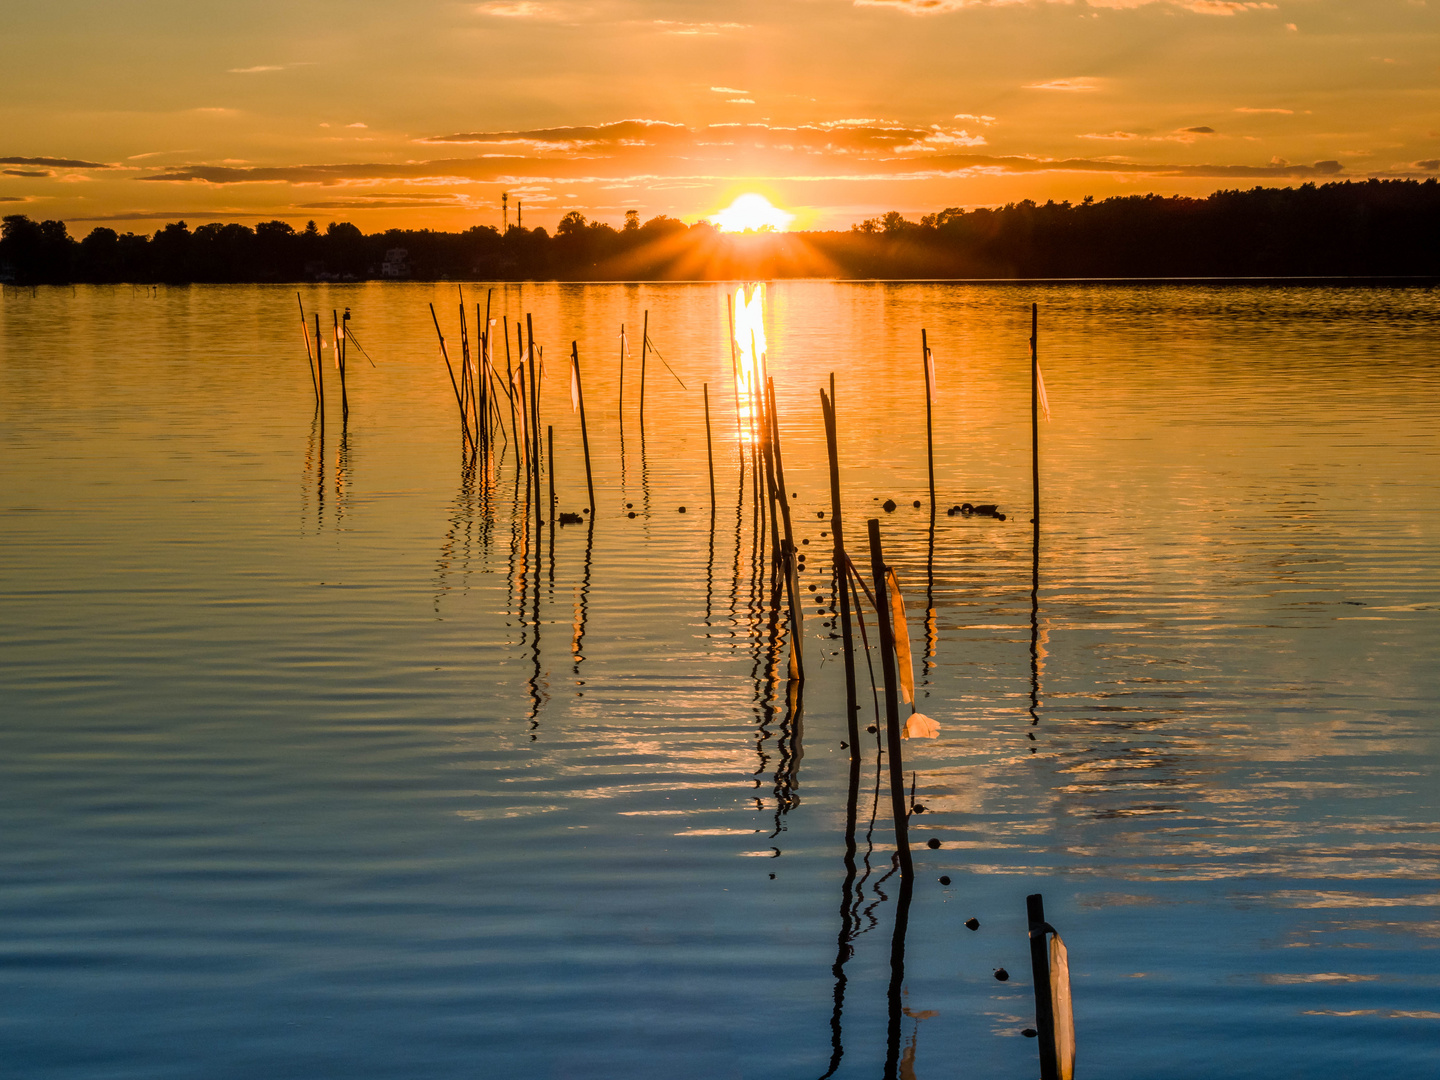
x=54, y=162
x=12, y=198
x=1221, y=7
x=1063, y=84
x=1429, y=164
x=1278, y=112
x=257, y=69
x=727, y=90
x=514, y=9
x=942, y=7
x=1201, y=130
x=974, y=119
x=702, y=29
x=625, y=132
x=740, y=101
x=357, y=125
x=27, y=172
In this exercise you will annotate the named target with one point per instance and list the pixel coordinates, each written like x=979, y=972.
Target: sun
x=752, y=211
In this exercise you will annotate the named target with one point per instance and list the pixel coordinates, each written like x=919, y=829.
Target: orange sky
x=420, y=115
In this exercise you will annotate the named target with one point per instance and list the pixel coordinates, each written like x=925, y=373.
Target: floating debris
x=888, y=506
x=567, y=518
x=972, y=923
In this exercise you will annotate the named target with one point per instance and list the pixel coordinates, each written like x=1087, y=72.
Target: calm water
x=312, y=764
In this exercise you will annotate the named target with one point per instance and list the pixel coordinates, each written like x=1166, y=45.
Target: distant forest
x=1356, y=229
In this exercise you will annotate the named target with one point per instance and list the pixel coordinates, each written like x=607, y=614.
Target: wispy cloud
x=36, y=173
x=256, y=70
x=942, y=7
x=514, y=9
x=697, y=29
x=727, y=90
x=1278, y=112
x=1070, y=85
x=54, y=162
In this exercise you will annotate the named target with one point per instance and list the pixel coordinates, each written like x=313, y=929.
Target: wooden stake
x=1040, y=976
x=892, y=701
x=837, y=531
x=584, y=434
x=709, y=449
x=550, y=456
x=1035, y=417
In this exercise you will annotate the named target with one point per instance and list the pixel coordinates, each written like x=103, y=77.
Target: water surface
x=314, y=763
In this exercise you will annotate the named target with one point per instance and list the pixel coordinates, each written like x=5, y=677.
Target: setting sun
x=752, y=211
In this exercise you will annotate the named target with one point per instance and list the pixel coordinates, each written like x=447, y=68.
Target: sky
x=131, y=113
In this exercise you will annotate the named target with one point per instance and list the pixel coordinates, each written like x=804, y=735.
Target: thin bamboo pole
x=644, y=349
x=320, y=372
x=929, y=366
x=584, y=433
x=622, y=385
x=340, y=362
x=464, y=424
x=309, y=356
x=892, y=701
x=534, y=413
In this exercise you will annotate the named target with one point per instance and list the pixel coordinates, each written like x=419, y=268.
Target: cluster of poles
x=487, y=398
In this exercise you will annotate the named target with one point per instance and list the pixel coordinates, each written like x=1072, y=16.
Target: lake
x=314, y=761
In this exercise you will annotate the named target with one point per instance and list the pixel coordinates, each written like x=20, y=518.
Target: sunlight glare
x=752, y=211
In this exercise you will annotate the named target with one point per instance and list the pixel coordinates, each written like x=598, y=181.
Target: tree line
x=1350, y=228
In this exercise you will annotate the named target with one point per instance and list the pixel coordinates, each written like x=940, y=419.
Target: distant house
x=396, y=264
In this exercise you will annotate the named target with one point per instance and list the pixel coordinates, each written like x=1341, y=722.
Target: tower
x=504, y=212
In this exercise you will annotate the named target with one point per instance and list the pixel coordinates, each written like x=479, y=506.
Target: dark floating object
x=568, y=518
x=1029, y=1033
x=772, y=877
x=682, y=509
x=844, y=746
x=932, y=843
x=888, y=506
x=973, y=923
x=983, y=510
x=820, y=514
x=631, y=514
x=917, y=504
x=1002, y=975
x=917, y=808
x=813, y=588
x=944, y=879
x=629, y=506
x=805, y=541
x=871, y=729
